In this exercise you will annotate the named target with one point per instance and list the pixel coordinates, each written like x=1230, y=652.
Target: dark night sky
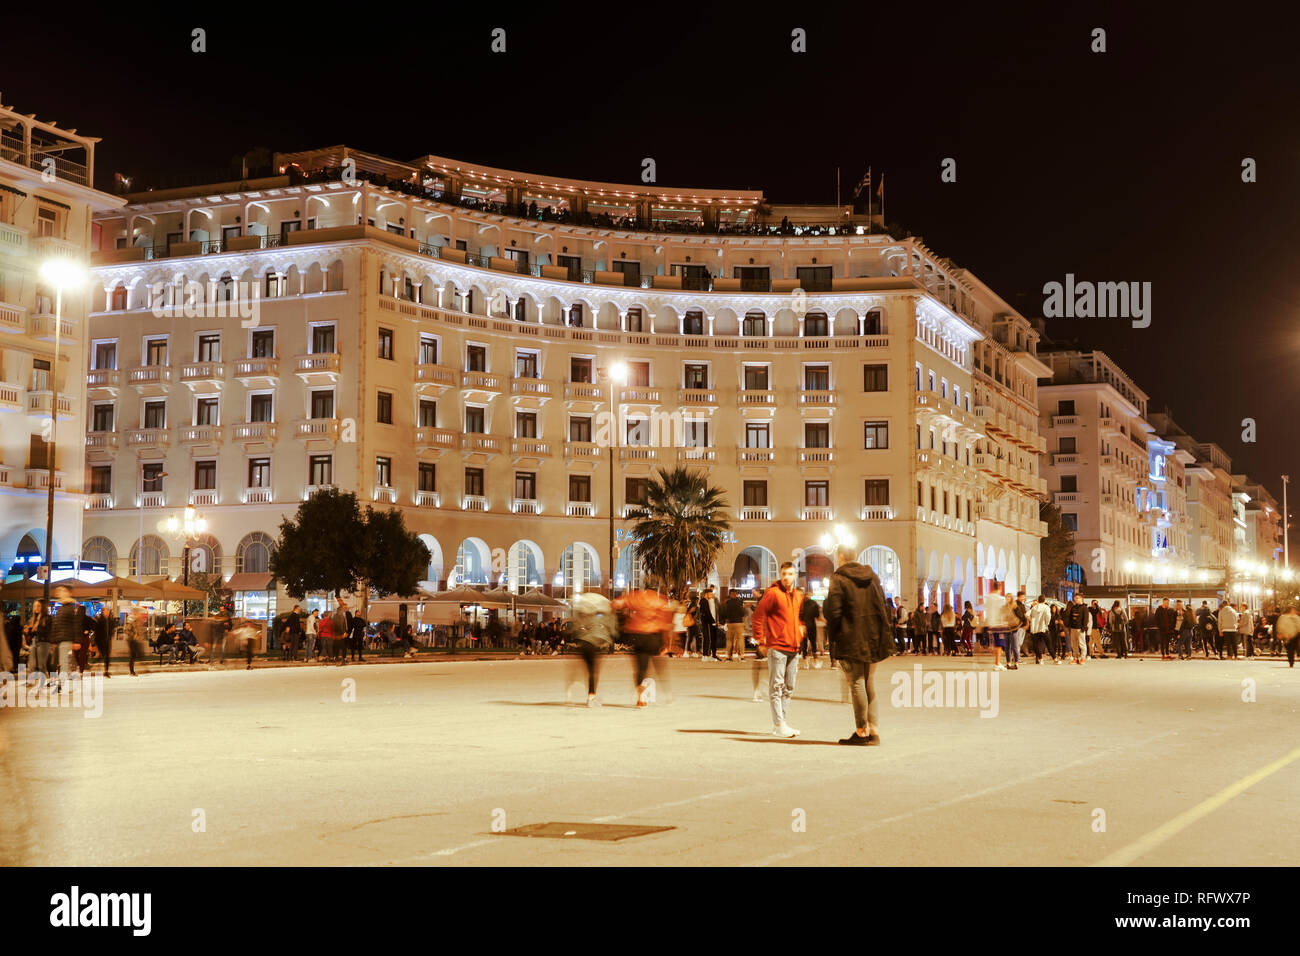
x=1120, y=166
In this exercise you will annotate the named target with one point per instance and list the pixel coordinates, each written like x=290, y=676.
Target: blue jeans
x=1013, y=645
x=782, y=669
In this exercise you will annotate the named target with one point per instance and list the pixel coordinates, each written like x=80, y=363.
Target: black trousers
x=1041, y=646
x=1291, y=646
x=134, y=650
x=950, y=640
x=708, y=639
x=590, y=657
x=648, y=647
x=1119, y=643
x=105, y=648
x=1229, y=644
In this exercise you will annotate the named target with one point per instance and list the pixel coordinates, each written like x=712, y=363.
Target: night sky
x=1121, y=166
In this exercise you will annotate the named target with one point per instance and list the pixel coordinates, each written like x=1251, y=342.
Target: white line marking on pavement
x=952, y=801
x=1146, y=844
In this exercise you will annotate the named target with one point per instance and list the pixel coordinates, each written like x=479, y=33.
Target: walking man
x=102, y=627
x=1040, y=618
x=1227, y=630
x=1076, y=620
x=779, y=633
x=1166, y=624
x=858, y=626
x=294, y=627
x=733, y=619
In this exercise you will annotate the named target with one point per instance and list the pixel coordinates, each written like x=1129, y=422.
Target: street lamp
x=615, y=374
x=61, y=273
x=139, y=546
x=191, y=525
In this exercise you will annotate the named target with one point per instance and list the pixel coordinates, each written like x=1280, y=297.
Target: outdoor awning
x=249, y=581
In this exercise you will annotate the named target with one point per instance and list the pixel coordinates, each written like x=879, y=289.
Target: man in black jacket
x=859, y=629
x=67, y=632
x=1166, y=624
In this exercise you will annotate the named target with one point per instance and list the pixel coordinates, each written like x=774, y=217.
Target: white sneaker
x=999, y=667
x=758, y=697
x=782, y=732
x=817, y=665
x=593, y=701
x=791, y=729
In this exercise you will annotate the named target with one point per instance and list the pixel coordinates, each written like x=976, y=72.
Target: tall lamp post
x=190, y=526
x=61, y=273
x=615, y=374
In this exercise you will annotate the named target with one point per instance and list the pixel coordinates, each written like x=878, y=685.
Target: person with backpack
x=859, y=627
x=594, y=631
x=1186, y=630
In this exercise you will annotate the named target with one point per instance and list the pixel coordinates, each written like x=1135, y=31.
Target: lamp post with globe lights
x=188, y=527
x=615, y=374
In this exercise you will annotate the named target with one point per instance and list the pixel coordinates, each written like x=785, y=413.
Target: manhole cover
x=584, y=831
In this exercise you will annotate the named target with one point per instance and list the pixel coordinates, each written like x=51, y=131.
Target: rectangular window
x=815, y=324
x=209, y=348
x=696, y=376
x=474, y=482
x=580, y=488
x=814, y=279
x=758, y=435
x=526, y=365
x=474, y=420
x=428, y=414
x=1070, y=483
x=263, y=344
x=205, y=475
x=101, y=479
x=580, y=371
x=322, y=403
x=816, y=494
x=155, y=352
x=428, y=476
x=696, y=433
x=384, y=408
x=205, y=412
x=817, y=434
x=105, y=355
x=102, y=419
x=428, y=350
x=155, y=414
x=693, y=323
x=1070, y=520
x=756, y=378
x=876, y=435
x=1065, y=407
x=1067, y=446
x=877, y=492
x=383, y=472
x=322, y=338
x=817, y=378
x=526, y=485
x=638, y=374
x=754, y=325
x=755, y=494
x=260, y=408
x=321, y=469
x=525, y=424
x=635, y=490
x=151, y=476
x=580, y=428
x=259, y=473
x=386, y=343
x=475, y=358
x=635, y=320
x=638, y=432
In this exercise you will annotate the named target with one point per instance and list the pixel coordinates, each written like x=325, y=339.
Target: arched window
x=154, y=559
x=100, y=550
x=253, y=556
x=205, y=555
x=119, y=298
x=225, y=288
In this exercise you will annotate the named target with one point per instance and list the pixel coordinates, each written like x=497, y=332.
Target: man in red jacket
x=779, y=633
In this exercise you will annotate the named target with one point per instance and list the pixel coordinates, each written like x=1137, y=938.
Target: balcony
x=575, y=392
x=819, y=456
x=481, y=444
x=100, y=442
x=1108, y=425
x=747, y=456
x=151, y=380
x=817, y=398
x=697, y=454
x=258, y=372
x=203, y=375
x=634, y=511
x=481, y=386
x=386, y=493
x=1107, y=501
x=531, y=392
x=319, y=368
x=38, y=403
x=12, y=318
x=199, y=435
x=697, y=398
x=317, y=429
x=102, y=383
x=142, y=438
x=433, y=380
x=756, y=514
x=755, y=398
x=529, y=448
x=13, y=240
x=818, y=514
x=581, y=449
x=152, y=499
x=203, y=498
x=428, y=438
x=580, y=509
x=1065, y=497
x=257, y=496
x=878, y=513
x=44, y=247
x=99, y=502
x=1065, y=458
x=41, y=326
x=38, y=479
x=428, y=499
x=11, y=398
x=526, y=506
x=473, y=503
x=638, y=395
x=311, y=490
x=637, y=453
x=1065, y=421
x=253, y=433
x=1109, y=462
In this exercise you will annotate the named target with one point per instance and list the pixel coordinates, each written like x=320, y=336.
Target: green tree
x=211, y=585
x=1057, y=549
x=679, y=530
x=331, y=545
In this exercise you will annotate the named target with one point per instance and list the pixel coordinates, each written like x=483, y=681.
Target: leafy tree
x=331, y=545
x=211, y=586
x=1057, y=549
x=679, y=531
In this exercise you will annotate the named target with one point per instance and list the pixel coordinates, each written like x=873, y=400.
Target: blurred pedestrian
x=594, y=631
x=858, y=626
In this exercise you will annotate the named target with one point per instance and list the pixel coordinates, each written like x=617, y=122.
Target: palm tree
x=679, y=529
